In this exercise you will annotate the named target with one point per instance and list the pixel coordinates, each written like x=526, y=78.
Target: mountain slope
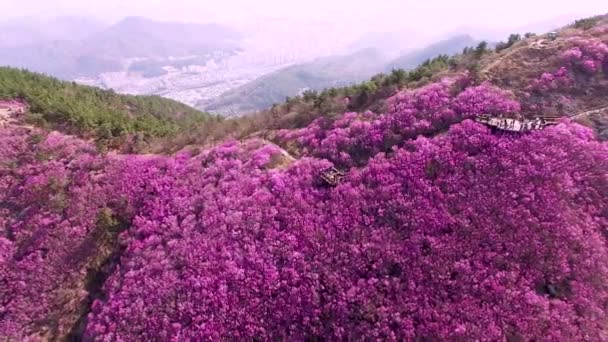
x=291, y=81
x=520, y=66
x=413, y=221
x=94, y=112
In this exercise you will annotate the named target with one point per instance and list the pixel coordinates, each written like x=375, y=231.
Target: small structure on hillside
x=552, y=35
x=332, y=176
x=516, y=125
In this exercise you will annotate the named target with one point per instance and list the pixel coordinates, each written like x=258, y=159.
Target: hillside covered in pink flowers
x=441, y=229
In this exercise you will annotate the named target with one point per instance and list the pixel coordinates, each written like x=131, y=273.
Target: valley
x=192, y=84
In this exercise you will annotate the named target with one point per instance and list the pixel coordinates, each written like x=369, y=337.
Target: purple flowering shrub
x=582, y=69
x=468, y=235
x=63, y=206
x=353, y=138
x=457, y=233
x=587, y=56
x=553, y=81
x=49, y=199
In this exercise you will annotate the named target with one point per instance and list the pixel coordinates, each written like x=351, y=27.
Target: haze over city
x=434, y=16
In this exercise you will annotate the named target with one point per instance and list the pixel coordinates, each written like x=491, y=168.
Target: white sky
x=362, y=16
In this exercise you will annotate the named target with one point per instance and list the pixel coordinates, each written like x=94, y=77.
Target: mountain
x=445, y=47
x=291, y=81
x=140, y=37
x=111, y=48
x=388, y=210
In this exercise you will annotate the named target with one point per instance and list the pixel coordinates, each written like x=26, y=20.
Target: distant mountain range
x=324, y=73
x=107, y=49
x=140, y=37
x=335, y=71
x=318, y=74
x=218, y=68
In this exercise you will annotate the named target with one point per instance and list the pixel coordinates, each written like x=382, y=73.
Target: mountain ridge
x=327, y=72
x=293, y=80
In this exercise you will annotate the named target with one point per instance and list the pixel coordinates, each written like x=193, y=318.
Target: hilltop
x=114, y=119
x=381, y=211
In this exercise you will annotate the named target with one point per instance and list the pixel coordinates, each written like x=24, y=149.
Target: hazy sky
x=371, y=15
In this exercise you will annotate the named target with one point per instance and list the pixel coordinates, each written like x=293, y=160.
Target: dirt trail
x=7, y=117
x=283, y=151
x=4, y=115
x=10, y=115
x=499, y=60
x=589, y=112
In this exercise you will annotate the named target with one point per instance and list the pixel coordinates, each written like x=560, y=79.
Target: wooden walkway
x=516, y=125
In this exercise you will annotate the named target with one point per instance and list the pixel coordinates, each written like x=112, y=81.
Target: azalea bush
x=440, y=230
x=560, y=79
x=353, y=139
x=587, y=56
x=50, y=193
x=469, y=235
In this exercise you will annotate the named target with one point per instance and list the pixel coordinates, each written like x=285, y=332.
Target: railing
x=532, y=124
x=517, y=125
x=332, y=176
